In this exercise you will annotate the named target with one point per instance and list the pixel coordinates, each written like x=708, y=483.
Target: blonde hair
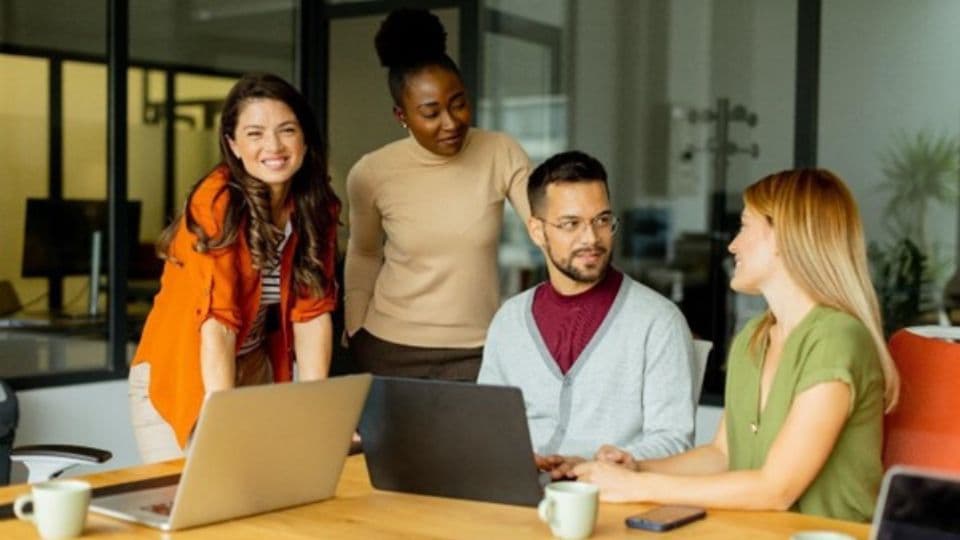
x=820, y=237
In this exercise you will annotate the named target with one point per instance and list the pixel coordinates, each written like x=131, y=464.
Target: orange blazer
x=222, y=284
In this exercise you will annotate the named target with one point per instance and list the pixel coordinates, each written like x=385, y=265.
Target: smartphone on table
x=664, y=518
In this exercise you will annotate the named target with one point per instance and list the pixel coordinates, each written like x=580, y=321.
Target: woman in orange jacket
x=248, y=280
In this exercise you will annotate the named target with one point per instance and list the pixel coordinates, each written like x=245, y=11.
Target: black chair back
x=9, y=416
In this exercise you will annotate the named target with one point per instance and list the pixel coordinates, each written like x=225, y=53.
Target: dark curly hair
x=408, y=41
x=316, y=206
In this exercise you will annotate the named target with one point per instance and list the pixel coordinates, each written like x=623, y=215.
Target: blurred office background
x=685, y=102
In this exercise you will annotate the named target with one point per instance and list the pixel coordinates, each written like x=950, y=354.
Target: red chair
x=924, y=430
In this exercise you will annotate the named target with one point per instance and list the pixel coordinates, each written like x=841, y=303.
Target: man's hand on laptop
x=618, y=456
x=558, y=466
x=356, y=445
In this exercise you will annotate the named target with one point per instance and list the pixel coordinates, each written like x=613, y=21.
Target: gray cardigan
x=632, y=386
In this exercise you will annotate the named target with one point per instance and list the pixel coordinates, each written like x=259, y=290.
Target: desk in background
x=27, y=354
x=360, y=512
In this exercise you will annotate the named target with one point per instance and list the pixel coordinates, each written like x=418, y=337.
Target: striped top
x=269, y=296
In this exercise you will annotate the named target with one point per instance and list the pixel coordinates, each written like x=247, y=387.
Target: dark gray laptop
x=917, y=504
x=449, y=439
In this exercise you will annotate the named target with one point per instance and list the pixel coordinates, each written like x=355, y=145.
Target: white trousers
x=156, y=440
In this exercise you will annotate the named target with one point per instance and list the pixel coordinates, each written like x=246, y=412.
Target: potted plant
x=920, y=170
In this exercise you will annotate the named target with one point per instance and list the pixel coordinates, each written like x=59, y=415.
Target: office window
x=24, y=120
x=524, y=94
x=146, y=125
x=58, y=200
x=77, y=26
x=523, y=89
x=84, y=125
x=198, y=103
x=183, y=57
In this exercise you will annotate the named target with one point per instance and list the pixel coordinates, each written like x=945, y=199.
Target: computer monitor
x=58, y=235
x=647, y=233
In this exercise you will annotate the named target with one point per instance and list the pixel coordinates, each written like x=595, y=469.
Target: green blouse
x=827, y=345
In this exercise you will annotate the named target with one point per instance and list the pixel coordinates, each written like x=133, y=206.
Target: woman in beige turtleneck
x=425, y=217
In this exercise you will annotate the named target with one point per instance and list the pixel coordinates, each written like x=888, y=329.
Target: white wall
x=547, y=11
x=688, y=85
x=888, y=67
x=752, y=63
x=594, y=113
x=631, y=60
x=618, y=92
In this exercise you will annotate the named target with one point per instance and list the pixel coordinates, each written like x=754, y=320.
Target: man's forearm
x=659, y=444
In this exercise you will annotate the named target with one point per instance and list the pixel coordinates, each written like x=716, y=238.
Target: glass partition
x=183, y=56
x=890, y=127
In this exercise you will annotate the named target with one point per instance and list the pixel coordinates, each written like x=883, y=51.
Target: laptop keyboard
x=162, y=509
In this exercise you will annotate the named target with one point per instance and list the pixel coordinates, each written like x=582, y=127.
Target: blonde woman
x=808, y=381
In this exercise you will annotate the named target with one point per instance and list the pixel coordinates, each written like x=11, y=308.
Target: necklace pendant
x=753, y=427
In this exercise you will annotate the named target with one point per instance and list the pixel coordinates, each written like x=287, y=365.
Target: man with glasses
x=600, y=358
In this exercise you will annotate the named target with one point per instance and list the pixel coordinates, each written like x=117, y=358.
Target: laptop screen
x=919, y=506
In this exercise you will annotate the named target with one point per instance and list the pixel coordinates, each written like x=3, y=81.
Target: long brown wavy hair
x=316, y=206
x=820, y=236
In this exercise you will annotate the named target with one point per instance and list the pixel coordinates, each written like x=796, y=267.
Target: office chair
x=701, y=349
x=43, y=462
x=923, y=430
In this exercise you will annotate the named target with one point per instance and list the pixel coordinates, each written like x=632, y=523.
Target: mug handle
x=18, y=505
x=545, y=510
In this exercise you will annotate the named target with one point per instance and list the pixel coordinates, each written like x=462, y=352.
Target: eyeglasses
x=604, y=224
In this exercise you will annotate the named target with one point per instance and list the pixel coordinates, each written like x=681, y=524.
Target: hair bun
x=408, y=36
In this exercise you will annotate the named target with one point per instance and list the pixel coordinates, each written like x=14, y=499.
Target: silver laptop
x=917, y=504
x=255, y=449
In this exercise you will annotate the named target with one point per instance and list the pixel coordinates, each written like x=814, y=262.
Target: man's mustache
x=596, y=250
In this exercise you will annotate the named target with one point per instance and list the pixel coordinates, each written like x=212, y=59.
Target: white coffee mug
x=59, y=508
x=570, y=509
x=820, y=535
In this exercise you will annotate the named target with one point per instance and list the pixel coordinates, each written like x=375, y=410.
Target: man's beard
x=567, y=268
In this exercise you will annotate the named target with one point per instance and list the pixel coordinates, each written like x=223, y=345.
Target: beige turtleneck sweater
x=421, y=266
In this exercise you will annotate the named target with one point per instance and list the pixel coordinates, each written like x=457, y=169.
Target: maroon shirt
x=567, y=323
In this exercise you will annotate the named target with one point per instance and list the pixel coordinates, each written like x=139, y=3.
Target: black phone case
x=639, y=522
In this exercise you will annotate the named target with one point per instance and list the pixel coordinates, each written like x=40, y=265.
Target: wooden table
x=358, y=511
